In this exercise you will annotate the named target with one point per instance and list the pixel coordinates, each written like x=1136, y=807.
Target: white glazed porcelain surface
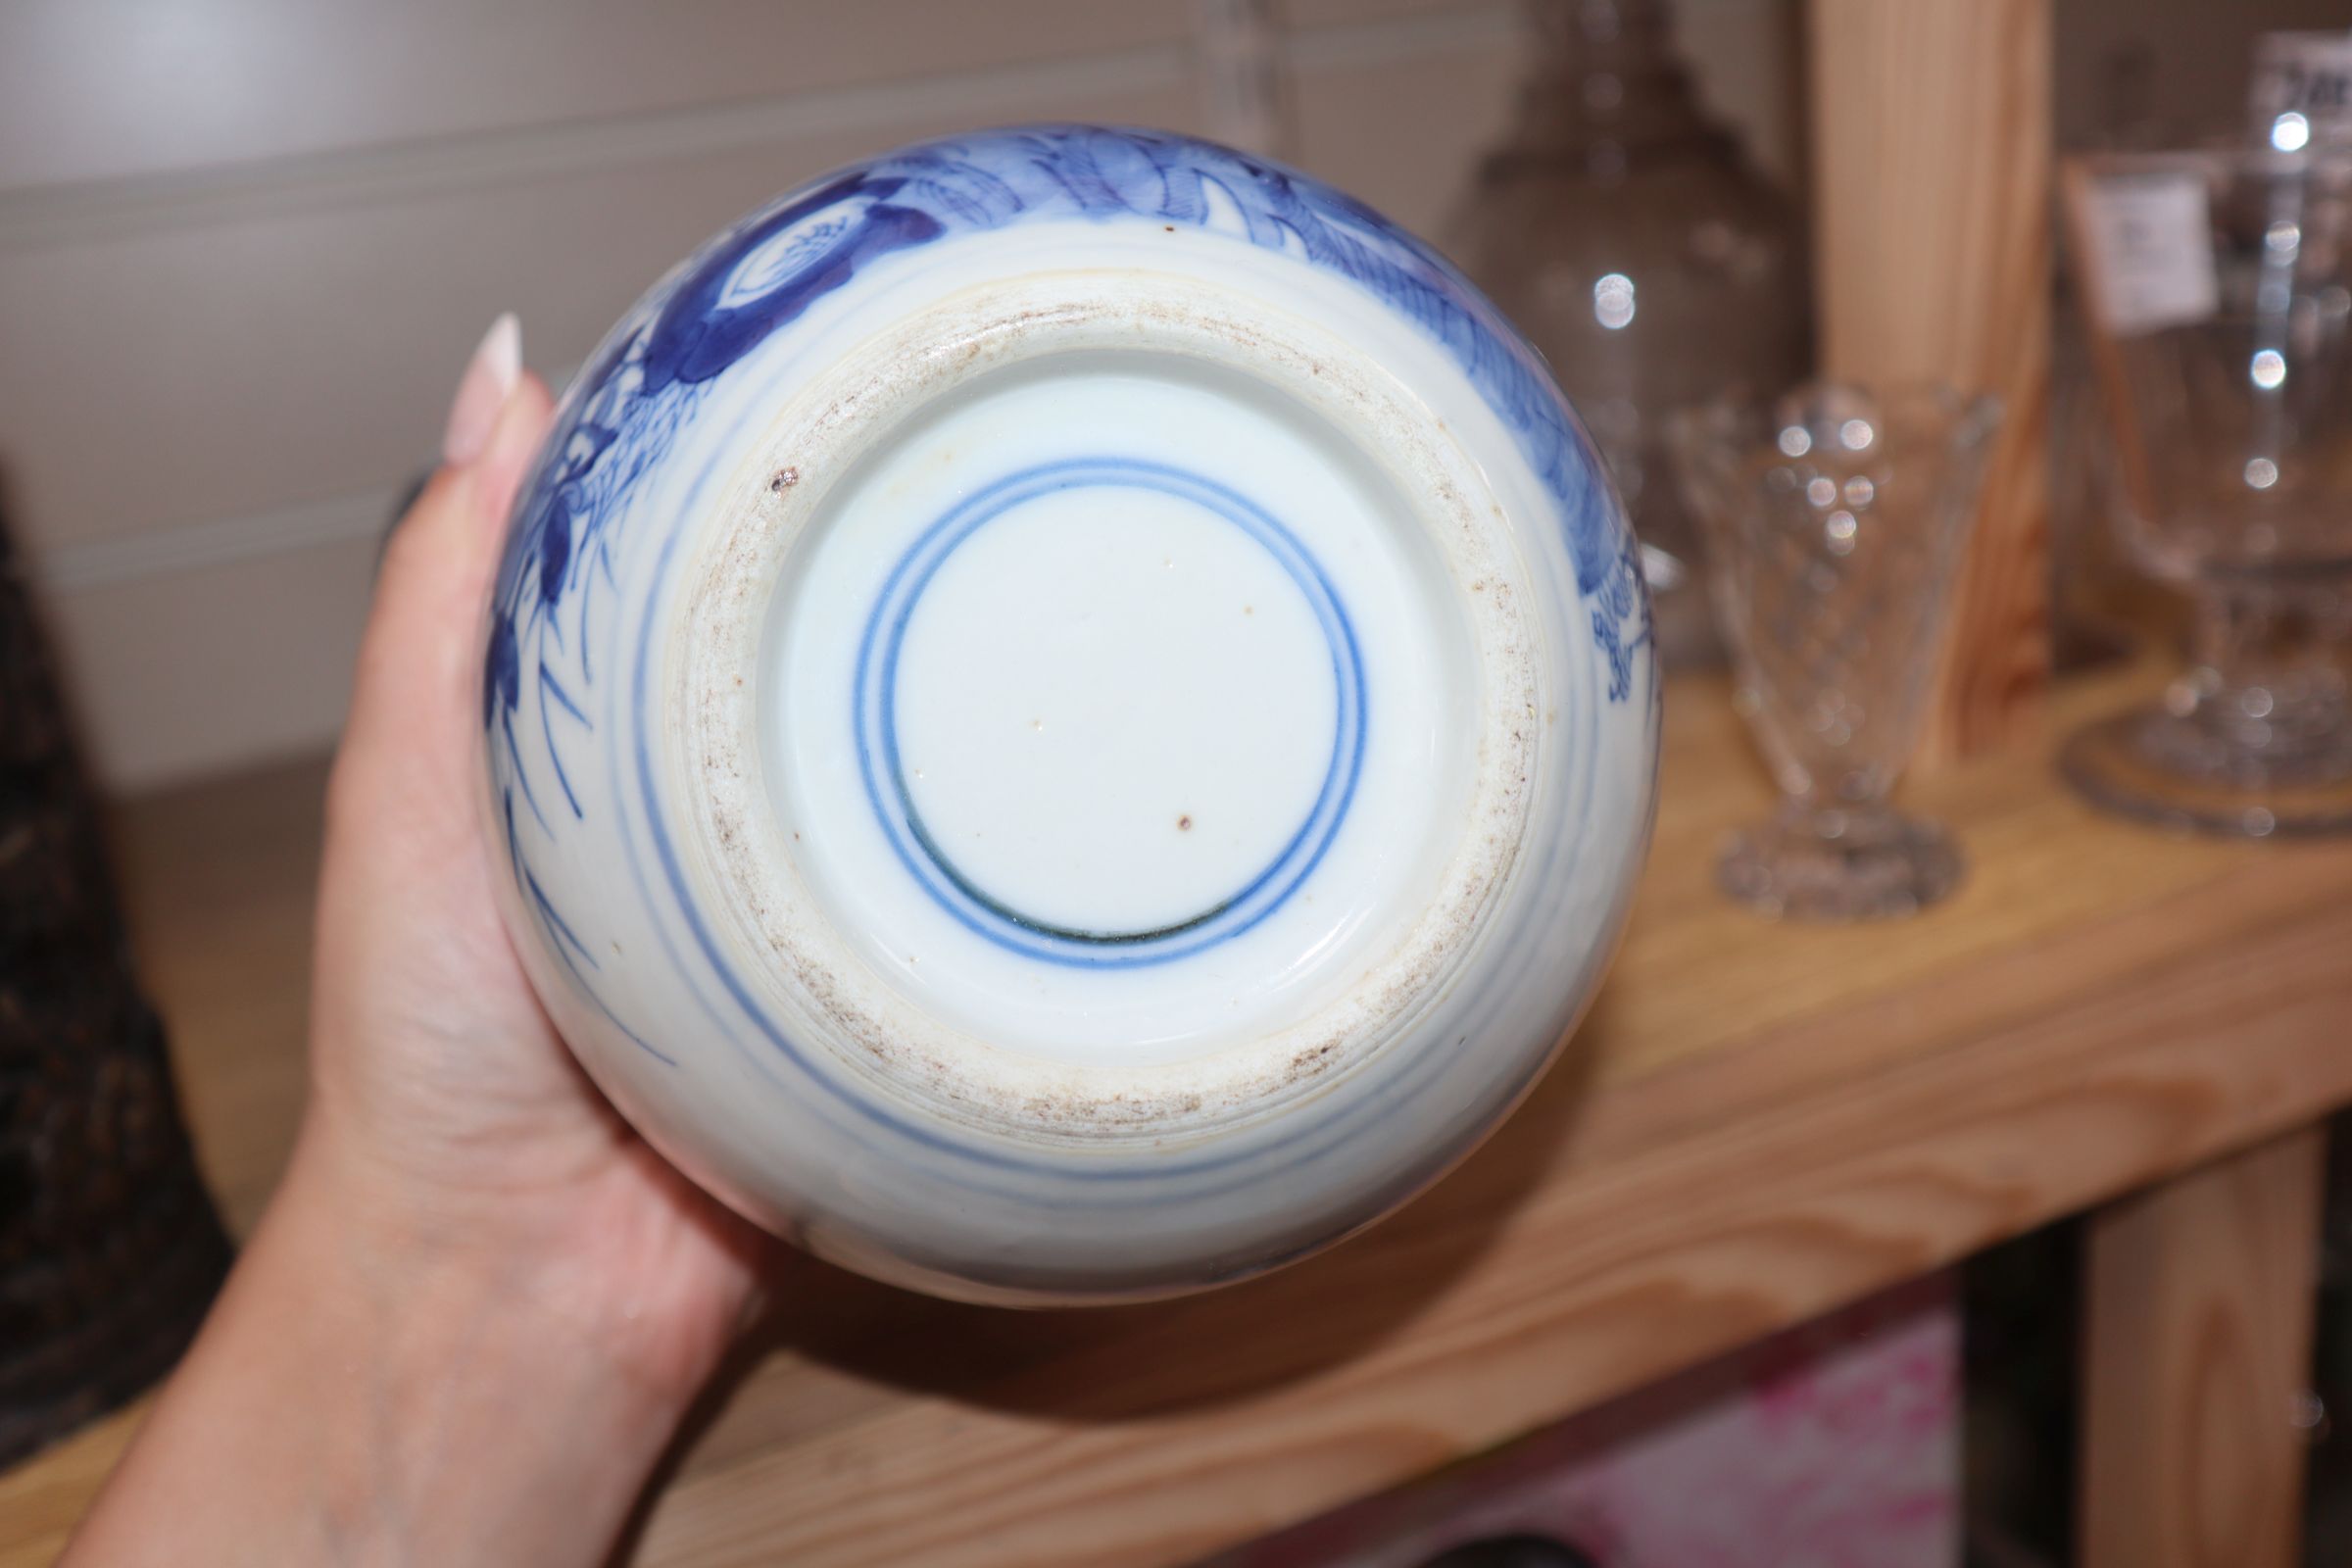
x=1070, y=713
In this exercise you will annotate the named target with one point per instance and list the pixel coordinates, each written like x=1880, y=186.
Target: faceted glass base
x=2172, y=771
x=1840, y=865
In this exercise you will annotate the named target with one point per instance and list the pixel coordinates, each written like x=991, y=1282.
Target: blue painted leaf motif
x=555, y=556
x=502, y=670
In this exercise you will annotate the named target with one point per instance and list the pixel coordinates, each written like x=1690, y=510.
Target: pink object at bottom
x=1830, y=1446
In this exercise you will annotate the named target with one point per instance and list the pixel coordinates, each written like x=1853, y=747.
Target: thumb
x=419, y=662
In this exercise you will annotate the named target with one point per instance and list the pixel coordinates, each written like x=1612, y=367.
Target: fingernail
x=490, y=379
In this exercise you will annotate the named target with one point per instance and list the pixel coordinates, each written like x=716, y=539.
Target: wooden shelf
x=1757, y=1124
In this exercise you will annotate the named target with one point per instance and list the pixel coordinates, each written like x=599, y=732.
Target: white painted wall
x=246, y=244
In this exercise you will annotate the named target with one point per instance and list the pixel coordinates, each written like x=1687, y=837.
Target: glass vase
x=2220, y=292
x=1630, y=239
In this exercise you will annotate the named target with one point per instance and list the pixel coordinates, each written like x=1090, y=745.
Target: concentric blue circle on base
x=876, y=719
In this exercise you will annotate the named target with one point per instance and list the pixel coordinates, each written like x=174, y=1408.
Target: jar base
x=1113, y=732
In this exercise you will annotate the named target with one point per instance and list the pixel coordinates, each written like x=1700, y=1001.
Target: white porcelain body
x=1071, y=716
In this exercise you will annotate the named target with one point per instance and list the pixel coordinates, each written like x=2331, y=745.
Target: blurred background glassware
x=2300, y=93
x=1834, y=520
x=2102, y=605
x=1627, y=235
x=2216, y=281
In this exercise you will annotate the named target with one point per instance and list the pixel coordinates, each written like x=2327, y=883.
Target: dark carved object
x=110, y=1249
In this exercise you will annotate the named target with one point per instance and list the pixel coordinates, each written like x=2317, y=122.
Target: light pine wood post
x=2198, y=1315
x=1932, y=169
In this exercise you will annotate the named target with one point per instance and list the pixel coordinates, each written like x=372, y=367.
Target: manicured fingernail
x=490, y=379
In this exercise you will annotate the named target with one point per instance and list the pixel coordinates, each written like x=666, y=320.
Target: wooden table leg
x=2198, y=1300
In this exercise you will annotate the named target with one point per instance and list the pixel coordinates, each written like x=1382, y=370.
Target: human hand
x=479, y=1302
x=441, y=1094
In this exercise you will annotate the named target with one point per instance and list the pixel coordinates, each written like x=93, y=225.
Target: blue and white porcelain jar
x=1072, y=713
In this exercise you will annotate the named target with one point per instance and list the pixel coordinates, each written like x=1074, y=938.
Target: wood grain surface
x=1757, y=1123
x=1932, y=179
x=2198, y=1302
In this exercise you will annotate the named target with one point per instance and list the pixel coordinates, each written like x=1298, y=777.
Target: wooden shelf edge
x=1594, y=1289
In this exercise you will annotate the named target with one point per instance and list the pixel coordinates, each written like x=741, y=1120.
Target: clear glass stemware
x=1835, y=521
x=2220, y=286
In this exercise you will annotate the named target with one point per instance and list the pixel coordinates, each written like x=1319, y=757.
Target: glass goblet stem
x=2267, y=688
